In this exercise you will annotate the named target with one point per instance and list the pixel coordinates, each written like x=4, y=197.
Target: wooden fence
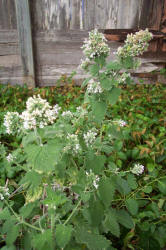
x=40, y=40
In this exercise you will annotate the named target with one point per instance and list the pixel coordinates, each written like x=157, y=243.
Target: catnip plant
x=75, y=193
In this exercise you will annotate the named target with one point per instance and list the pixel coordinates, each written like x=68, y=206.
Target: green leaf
x=162, y=186
x=147, y=189
x=113, y=66
x=43, y=241
x=32, y=179
x=111, y=224
x=95, y=162
x=63, y=234
x=43, y=158
x=106, y=191
x=96, y=211
x=106, y=83
x=94, y=69
x=27, y=209
x=132, y=182
x=92, y=241
x=132, y=206
x=122, y=186
x=4, y=214
x=99, y=110
x=124, y=219
x=54, y=198
x=12, y=235
x=8, y=248
x=113, y=95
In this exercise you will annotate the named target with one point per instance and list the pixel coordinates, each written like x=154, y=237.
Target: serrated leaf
x=95, y=162
x=55, y=198
x=106, y=191
x=113, y=66
x=162, y=186
x=113, y=95
x=4, y=214
x=92, y=241
x=32, y=179
x=43, y=241
x=99, y=110
x=132, y=206
x=111, y=224
x=132, y=182
x=63, y=234
x=43, y=158
x=106, y=83
x=96, y=212
x=94, y=69
x=124, y=219
x=122, y=186
x=27, y=209
x=12, y=235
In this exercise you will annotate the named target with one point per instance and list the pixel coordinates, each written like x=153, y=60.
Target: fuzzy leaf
x=106, y=191
x=132, y=182
x=43, y=158
x=122, y=186
x=95, y=162
x=111, y=223
x=114, y=95
x=99, y=110
x=132, y=206
x=43, y=241
x=124, y=219
x=92, y=241
x=12, y=234
x=32, y=179
x=63, y=234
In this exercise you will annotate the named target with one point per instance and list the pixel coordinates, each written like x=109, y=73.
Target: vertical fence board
x=25, y=40
x=7, y=15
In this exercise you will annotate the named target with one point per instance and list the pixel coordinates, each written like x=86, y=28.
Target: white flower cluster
x=72, y=144
x=94, y=46
x=137, y=169
x=3, y=192
x=94, y=87
x=85, y=63
x=11, y=121
x=123, y=77
x=38, y=113
x=81, y=112
x=90, y=137
x=120, y=122
x=135, y=44
x=67, y=115
x=95, y=178
x=10, y=158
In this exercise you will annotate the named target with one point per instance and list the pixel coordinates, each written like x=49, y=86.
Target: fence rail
x=40, y=40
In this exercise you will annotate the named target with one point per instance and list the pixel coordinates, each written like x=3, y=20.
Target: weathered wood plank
x=7, y=14
x=25, y=40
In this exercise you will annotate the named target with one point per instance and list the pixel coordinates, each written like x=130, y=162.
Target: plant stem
x=73, y=212
x=21, y=220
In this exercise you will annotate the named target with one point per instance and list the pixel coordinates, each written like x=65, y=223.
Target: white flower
x=10, y=158
x=67, y=114
x=120, y=122
x=94, y=87
x=137, y=169
x=72, y=145
x=11, y=122
x=95, y=46
x=3, y=192
x=90, y=137
x=135, y=44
